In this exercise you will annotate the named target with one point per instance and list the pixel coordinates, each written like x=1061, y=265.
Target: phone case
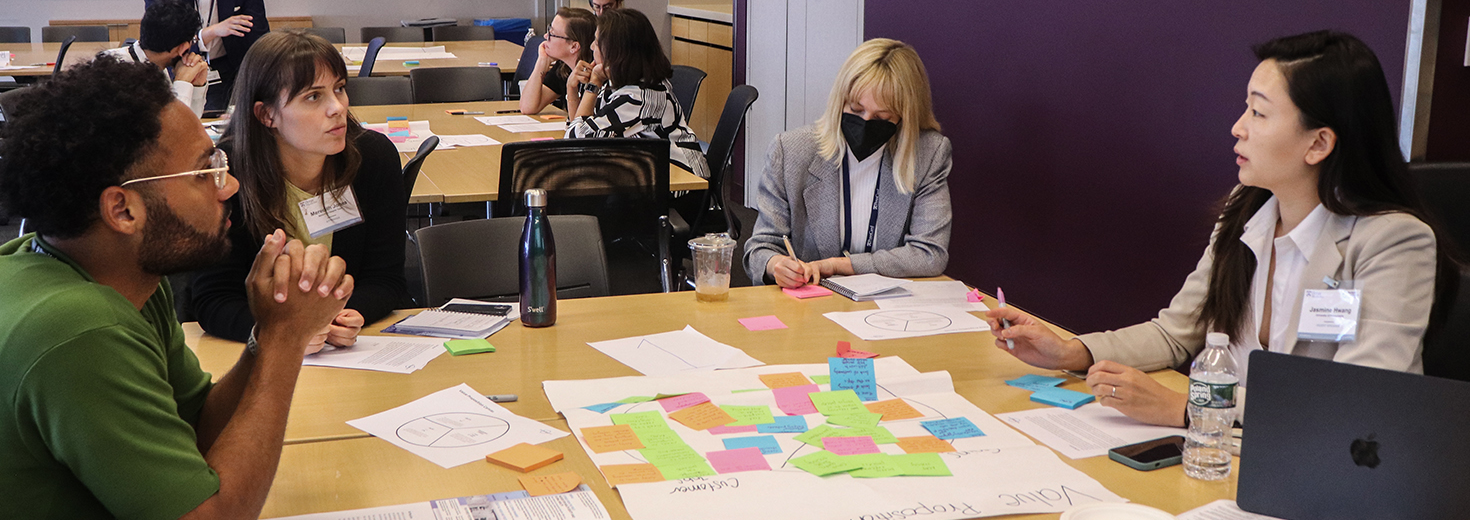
x=1141, y=466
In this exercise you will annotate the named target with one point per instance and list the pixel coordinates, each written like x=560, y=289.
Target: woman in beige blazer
x=1323, y=204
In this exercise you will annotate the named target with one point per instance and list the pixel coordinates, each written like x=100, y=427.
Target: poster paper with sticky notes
x=455, y=426
x=396, y=354
x=406, y=138
x=981, y=469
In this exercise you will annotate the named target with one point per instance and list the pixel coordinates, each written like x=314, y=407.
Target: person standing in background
x=231, y=27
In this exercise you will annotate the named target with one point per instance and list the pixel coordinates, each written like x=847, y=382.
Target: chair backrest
x=1444, y=188
x=686, y=82
x=331, y=34
x=411, y=170
x=1447, y=351
x=61, y=55
x=15, y=35
x=370, y=57
x=388, y=90
x=393, y=34
x=8, y=103
x=84, y=33
x=461, y=33
x=634, y=172
x=456, y=84
x=479, y=259
x=721, y=151
x=528, y=58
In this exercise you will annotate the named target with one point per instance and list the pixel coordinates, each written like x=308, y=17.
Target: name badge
x=1329, y=315
x=338, y=213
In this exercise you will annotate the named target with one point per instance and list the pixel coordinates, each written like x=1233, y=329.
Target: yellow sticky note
x=894, y=409
x=538, y=485
x=924, y=444
x=524, y=457
x=631, y=474
x=398, y=124
x=603, y=439
x=774, y=381
x=702, y=416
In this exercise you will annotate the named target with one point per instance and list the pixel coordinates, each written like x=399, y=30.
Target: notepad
x=458, y=319
x=866, y=287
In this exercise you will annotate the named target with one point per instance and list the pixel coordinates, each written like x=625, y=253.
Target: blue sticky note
x=397, y=118
x=1034, y=382
x=952, y=428
x=1062, y=397
x=602, y=408
x=854, y=374
x=784, y=424
x=766, y=443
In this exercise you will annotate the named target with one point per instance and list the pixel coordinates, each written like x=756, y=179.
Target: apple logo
x=1365, y=452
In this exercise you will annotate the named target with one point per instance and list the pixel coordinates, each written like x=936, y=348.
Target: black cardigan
x=372, y=249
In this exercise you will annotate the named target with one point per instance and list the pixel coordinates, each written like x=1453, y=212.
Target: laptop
x=1330, y=440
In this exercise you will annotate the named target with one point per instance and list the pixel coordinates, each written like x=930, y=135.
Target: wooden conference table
x=23, y=54
x=472, y=174
x=329, y=466
x=503, y=54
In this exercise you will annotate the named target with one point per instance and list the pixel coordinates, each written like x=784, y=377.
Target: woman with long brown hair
x=307, y=167
x=568, y=42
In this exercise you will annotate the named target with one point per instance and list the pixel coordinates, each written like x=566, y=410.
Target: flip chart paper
x=924, y=444
x=825, y=463
x=879, y=324
x=749, y=415
x=602, y=439
x=855, y=419
x=1035, y=382
x=400, y=355
x=454, y=426
x=788, y=424
x=765, y=443
x=837, y=402
x=793, y=400
x=539, y=485
x=849, y=445
x=952, y=428
x=726, y=430
x=702, y=416
x=676, y=403
x=674, y=352
x=1062, y=397
x=784, y=380
x=762, y=323
x=1088, y=431
x=630, y=473
x=894, y=410
x=737, y=460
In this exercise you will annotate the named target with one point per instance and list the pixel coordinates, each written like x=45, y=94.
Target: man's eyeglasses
x=219, y=167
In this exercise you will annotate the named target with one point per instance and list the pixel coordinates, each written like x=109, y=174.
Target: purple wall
x=1092, y=139
x=1449, y=108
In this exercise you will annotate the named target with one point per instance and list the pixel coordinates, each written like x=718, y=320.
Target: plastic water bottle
x=530, y=33
x=538, y=264
x=1212, y=383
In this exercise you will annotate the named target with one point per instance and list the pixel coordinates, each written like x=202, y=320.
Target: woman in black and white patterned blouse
x=634, y=98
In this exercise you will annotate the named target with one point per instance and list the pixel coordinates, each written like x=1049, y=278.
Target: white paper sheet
x=1088, y=431
x=674, y=352
x=516, y=505
x=576, y=505
x=454, y=426
x=929, y=295
x=456, y=141
x=879, y=324
x=507, y=120
x=355, y=53
x=554, y=126
x=417, y=132
x=399, y=355
x=1222, y=509
x=868, y=284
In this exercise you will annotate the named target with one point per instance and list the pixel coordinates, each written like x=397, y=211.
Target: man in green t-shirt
x=104, y=411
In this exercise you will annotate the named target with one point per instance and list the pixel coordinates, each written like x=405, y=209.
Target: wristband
x=251, y=345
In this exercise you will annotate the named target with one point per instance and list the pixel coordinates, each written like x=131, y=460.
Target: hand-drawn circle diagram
x=908, y=321
x=453, y=430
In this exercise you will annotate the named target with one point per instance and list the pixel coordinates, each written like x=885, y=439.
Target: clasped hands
x=299, y=293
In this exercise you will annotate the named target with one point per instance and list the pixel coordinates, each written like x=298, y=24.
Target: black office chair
x=411, y=173
x=479, y=259
x=386, y=90
x=456, y=84
x=1443, y=188
x=393, y=34
x=15, y=35
x=330, y=34
x=625, y=182
x=61, y=55
x=529, y=53
x=370, y=57
x=83, y=33
x=686, y=83
x=713, y=215
x=462, y=33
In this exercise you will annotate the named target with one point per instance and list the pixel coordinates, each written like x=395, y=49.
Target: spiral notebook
x=459, y=319
x=866, y=287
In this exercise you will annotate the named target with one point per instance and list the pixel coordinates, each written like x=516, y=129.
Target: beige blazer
x=1390, y=257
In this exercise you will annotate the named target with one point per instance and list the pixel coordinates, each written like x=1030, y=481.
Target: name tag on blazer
x=1329, y=315
x=337, y=213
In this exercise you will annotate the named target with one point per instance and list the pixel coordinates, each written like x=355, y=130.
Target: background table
x=504, y=54
x=43, y=53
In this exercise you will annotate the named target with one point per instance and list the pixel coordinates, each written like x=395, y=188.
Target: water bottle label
x=1211, y=395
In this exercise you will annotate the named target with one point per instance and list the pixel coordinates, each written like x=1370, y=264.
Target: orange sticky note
x=924, y=444
x=603, y=439
x=774, y=381
x=631, y=474
x=538, y=485
x=524, y=457
x=702, y=416
x=553, y=117
x=894, y=409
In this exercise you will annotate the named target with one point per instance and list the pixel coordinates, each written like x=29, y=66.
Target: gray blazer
x=801, y=196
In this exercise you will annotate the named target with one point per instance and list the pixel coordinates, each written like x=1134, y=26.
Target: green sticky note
x=825, y=463
x=879, y=434
x=875, y=465
x=675, y=454
x=690, y=469
x=634, y=400
x=749, y=390
x=838, y=402
x=460, y=347
x=814, y=435
x=822, y=380
x=641, y=420
x=748, y=415
x=656, y=437
x=856, y=419
x=922, y=465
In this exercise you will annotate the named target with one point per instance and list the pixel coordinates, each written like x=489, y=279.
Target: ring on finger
x=1114, y=395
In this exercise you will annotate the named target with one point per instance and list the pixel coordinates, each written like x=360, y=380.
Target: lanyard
x=847, y=207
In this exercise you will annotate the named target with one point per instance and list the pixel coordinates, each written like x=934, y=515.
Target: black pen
x=515, y=111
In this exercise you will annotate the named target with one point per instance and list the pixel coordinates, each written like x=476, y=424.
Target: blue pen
x=1004, y=323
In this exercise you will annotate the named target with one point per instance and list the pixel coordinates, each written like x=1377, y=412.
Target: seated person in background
x=632, y=96
x=853, y=198
x=1323, y=203
x=167, y=31
x=298, y=152
x=568, y=42
x=106, y=412
x=604, y=6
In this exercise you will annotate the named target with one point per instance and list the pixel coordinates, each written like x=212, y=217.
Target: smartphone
x=1150, y=455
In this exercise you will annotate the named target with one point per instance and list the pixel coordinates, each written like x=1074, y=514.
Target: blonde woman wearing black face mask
x=865, y=189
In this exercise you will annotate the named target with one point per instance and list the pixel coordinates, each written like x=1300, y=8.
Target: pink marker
x=1004, y=323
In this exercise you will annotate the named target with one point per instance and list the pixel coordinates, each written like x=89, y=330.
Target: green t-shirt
x=97, y=398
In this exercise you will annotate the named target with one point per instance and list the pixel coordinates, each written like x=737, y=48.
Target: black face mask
x=866, y=136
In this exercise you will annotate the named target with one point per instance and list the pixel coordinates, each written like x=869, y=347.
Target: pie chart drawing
x=908, y=321
x=453, y=430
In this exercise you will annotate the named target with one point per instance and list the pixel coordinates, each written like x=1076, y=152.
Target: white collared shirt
x=1292, y=252
x=190, y=95
x=862, y=188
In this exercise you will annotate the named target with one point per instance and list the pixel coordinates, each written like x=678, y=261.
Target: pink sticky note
x=542, y=139
x=680, y=402
x=762, y=323
x=850, y=445
x=743, y=459
x=806, y=291
x=844, y=350
x=397, y=138
x=794, y=401
x=723, y=430
x=974, y=296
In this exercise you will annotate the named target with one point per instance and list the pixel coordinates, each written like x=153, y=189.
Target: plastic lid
x=712, y=241
x=1111, y=511
x=1217, y=338
x=536, y=198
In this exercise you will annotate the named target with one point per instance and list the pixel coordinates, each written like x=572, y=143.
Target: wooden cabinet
x=121, y=30
x=708, y=46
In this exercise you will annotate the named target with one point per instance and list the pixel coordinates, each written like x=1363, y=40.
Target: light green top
x=294, y=196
